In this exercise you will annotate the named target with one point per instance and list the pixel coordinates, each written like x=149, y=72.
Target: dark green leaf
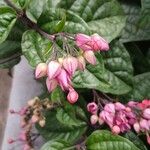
x=141, y=87
x=56, y=130
x=35, y=47
x=57, y=145
x=51, y=17
x=7, y=21
x=34, y=9
x=115, y=79
x=105, y=140
x=103, y=17
x=138, y=22
x=57, y=96
x=136, y=140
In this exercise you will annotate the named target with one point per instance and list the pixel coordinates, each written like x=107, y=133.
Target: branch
x=25, y=20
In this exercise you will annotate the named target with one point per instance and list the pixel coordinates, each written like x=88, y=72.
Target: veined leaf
x=35, y=47
x=7, y=21
x=104, y=140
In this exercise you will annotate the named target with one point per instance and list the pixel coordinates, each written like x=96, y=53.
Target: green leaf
x=56, y=130
x=7, y=21
x=69, y=115
x=105, y=140
x=35, y=47
x=116, y=78
x=103, y=17
x=138, y=22
x=57, y=145
x=54, y=21
x=52, y=17
x=34, y=9
x=57, y=96
x=136, y=140
x=141, y=87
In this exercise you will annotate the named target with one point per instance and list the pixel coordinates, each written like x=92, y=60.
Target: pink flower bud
x=81, y=63
x=92, y=108
x=41, y=70
x=98, y=43
x=23, y=111
x=90, y=57
x=70, y=64
x=146, y=113
x=34, y=119
x=26, y=147
x=144, y=125
x=72, y=96
x=116, y=129
x=51, y=84
x=110, y=108
x=136, y=127
x=23, y=136
x=54, y=69
x=64, y=80
x=132, y=104
x=119, y=106
x=94, y=119
x=42, y=122
x=148, y=138
x=31, y=102
x=83, y=41
x=100, y=121
x=10, y=141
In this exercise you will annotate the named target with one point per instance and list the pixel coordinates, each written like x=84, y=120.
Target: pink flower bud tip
x=110, y=108
x=144, y=125
x=41, y=70
x=51, y=84
x=136, y=127
x=146, y=113
x=34, y=119
x=148, y=138
x=72, y=96
x=31, y=102
x=10, y=141
x=27, y=147
x=98, y=43
x=90, y=57
x=92, y=108
x=23, y=136
x=81, y=63
x=116, y=129
x=83, y=41
x=94, y=119
x=70, y=64
x=54, y=69
x=12, y=111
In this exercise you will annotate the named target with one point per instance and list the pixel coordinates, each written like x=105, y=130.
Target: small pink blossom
x=146, y=113
x=51, y=84
x=94, y=119
x=72, y=96
x=116, y=129
x=64, y=80
x=119, y=106
x=90, y=57
x=10, y=140
x=34, y=119
x=54, y=69
x=81, y=63
x=98, y=43
x=70, y=64
x=83, y=41
x=110, y=107
x=136, y=127
x=92, y=108
x=23, y=136
x=41, y=70
x=144, y=125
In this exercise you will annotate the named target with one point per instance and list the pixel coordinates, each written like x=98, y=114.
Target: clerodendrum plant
x=93, y=93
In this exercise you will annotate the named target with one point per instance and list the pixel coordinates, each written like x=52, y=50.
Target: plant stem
x=25, y=20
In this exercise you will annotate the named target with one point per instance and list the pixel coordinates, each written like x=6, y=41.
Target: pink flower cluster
x=121, y=118
x=60, y=71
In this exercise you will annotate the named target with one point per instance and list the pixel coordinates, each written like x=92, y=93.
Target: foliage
x=122, y=72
